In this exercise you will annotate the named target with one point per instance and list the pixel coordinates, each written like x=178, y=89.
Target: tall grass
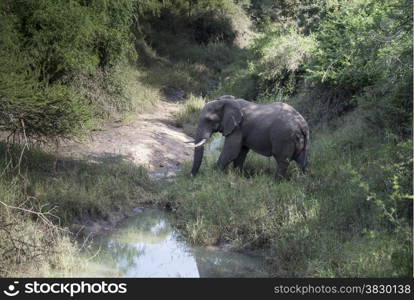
x=142, y=95
x=189, y=113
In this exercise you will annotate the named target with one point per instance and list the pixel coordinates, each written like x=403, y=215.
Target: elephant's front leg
x=239, y=161
x=231, y=149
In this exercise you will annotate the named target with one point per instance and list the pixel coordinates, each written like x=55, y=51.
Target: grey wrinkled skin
x=275, y=129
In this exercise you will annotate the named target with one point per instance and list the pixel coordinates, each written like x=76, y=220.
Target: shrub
x=45, y=46
x=363, y=59
x=68, y=36
x=280, y=58
x=306, y=15
x=272, y=69
x=39, y=112
x=358, y=43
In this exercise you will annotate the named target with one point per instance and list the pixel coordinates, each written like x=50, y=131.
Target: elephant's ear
x=232, y=116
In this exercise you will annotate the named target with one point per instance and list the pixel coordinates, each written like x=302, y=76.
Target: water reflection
x=148, y=246
x=218, y=263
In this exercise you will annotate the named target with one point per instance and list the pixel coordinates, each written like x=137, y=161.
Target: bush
x=349, y=39
x=47, y=112
x=272, y=68
x=280, y=59
x=45, y=46
x=62, y=37
x=118, y=92
x=366, y=48
x=306, y=15
x=28, y=106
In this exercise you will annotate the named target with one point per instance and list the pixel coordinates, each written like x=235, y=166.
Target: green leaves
x=45, y=44
x=351, y=39
x=281, y=56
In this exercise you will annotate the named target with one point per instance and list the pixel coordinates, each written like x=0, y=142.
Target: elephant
x=274, y=129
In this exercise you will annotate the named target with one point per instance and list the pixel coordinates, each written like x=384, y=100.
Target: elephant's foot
x=282, y=167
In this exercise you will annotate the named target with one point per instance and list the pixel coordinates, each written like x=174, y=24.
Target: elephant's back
x=289, y=115
x=268, y=115
x=289, y=124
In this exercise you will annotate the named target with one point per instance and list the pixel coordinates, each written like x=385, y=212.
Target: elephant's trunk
x=201, y=138
x=198, y=157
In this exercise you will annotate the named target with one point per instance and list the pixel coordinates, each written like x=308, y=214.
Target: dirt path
x=151, y=141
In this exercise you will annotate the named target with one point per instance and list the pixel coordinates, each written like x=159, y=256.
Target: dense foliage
x=365, y=49
x=44, y=46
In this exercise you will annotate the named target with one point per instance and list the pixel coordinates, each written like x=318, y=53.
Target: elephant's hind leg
x=302, y=160
x=283, y=153
x=282, y=166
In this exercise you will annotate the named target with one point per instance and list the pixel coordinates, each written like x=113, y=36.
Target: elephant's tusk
x=200, y=143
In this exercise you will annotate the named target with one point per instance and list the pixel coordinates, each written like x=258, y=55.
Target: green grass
x=344, y=218
x=187, y=116
x=30, y=247
x=142, y=95
x=63, y=190
x=190, y=77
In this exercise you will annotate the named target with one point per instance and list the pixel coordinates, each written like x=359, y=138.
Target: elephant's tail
x=301, y=157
